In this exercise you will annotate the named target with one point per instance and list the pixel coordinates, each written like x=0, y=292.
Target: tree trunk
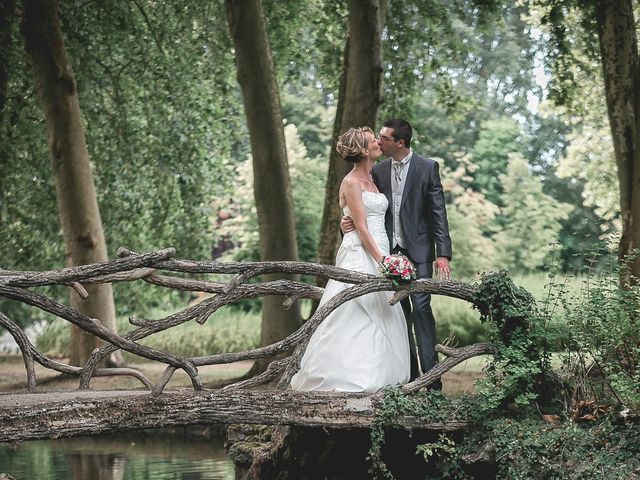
x=329, y=229
x=271, y=184
x=7, y=16
x=619, y=52
x=79, y=213
x=359, y=100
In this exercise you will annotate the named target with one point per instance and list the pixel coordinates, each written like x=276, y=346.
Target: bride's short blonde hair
x=352, y=144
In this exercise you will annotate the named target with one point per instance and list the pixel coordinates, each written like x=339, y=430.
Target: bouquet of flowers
x=398, y=268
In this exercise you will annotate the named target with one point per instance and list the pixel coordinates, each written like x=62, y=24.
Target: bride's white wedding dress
x=363, y=345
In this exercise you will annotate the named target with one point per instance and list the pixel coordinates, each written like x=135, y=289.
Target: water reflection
x=196, y=453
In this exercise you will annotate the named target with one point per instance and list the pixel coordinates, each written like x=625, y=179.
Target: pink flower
x=397, y=268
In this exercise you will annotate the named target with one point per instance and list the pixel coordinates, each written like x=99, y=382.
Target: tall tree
x=271, y=184
x=78, y=208
x=612, y=23
x=618, y=44
x=359, y=101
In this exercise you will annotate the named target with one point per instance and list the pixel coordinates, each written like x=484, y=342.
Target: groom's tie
x=397, y=174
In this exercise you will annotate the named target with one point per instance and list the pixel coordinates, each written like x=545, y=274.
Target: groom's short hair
x=401, y=130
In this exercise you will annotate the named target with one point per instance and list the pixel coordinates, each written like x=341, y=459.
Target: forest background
x=517, y=120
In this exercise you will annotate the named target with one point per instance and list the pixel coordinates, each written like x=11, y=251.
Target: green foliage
x=529, y=218
x=444, y=445
x=468, y=58
x=463, y=86
x=526, y=448
x=308, y=178
x=471, y=217
x=431, y=406
x=589, y=157
x=456, y=319
x=603, y=361
x=517, y=370
x=313, y=119
x=307, y=40
x=228, y=330
x=572, y=35
x=307, y=181
x=156, y=140
x=161, y=143
x=507, y=428
x=532, y=449
x=498, y=139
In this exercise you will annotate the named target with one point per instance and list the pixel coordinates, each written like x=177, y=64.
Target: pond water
x=196, y=453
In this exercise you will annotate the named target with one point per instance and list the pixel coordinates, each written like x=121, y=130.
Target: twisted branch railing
x=147, y=267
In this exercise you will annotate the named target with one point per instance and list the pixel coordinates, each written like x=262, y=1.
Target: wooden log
x=30, y=416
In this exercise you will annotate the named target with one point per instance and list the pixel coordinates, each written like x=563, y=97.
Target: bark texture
x=77, y=203
x=359, y=100
x=53, y=415
x=272, y=188
x=619, y=52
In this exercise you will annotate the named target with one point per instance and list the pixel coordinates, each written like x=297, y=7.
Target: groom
x=416, y=222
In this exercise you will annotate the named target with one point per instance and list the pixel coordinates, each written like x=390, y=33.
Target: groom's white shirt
x=397, y=190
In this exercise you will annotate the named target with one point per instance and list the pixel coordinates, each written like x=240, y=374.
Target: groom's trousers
x=421, y=324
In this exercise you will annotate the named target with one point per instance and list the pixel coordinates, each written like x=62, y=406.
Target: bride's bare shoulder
x=349, y=186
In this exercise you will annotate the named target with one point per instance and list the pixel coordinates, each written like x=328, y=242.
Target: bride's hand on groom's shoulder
x=442, y=268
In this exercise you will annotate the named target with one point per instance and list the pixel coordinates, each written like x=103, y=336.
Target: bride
x=362, y=346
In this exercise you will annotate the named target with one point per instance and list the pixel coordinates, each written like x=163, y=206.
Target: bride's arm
x=352, y=193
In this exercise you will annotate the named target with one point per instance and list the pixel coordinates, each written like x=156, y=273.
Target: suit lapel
x=409, y=179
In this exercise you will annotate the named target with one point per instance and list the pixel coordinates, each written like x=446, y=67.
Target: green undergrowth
x=519, y=442
x=529, y=419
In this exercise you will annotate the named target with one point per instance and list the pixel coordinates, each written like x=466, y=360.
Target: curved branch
x=454, y=357
x=24, y=345
x=133, y=266
x=272, y=371
x=78, y=274
x=30, y=351
x=96, y=328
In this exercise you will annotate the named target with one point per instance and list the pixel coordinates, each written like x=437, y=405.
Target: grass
x=228, y=330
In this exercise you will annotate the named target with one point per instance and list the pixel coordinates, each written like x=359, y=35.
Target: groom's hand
x=347, y=225
x=442, y=268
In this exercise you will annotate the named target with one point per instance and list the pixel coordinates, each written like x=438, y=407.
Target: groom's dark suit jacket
x=423, y=216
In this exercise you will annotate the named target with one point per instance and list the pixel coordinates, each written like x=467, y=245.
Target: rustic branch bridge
x=35, y=415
